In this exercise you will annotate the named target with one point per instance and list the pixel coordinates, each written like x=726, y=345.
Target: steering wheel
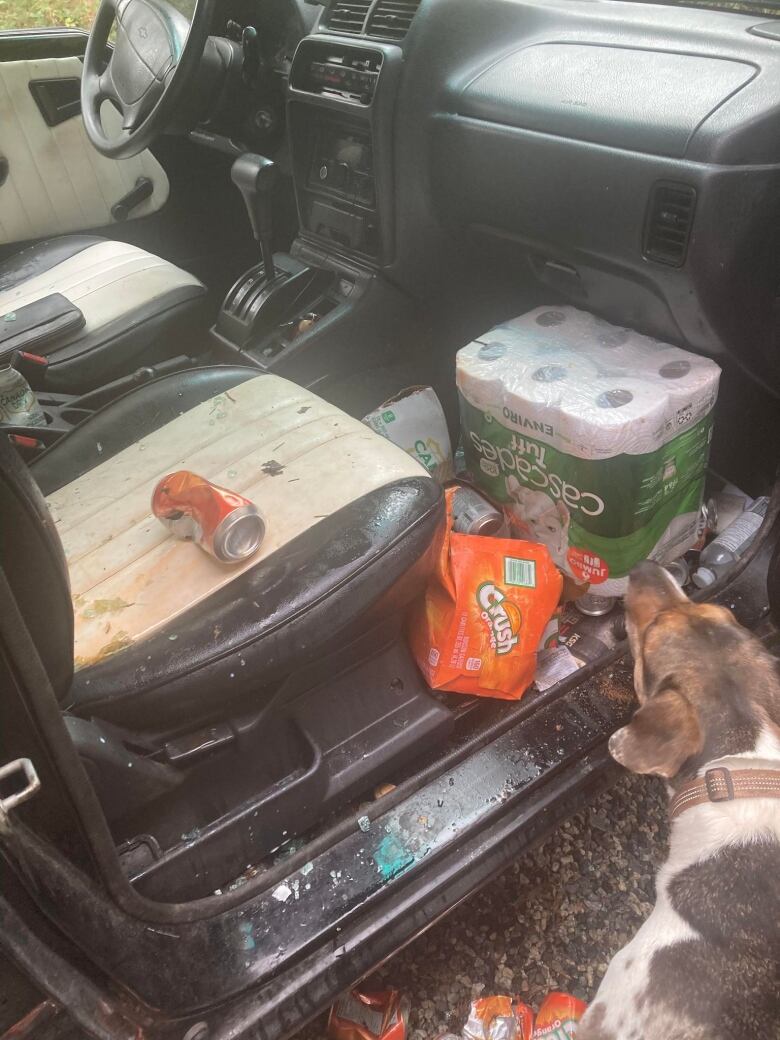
x=157, y=51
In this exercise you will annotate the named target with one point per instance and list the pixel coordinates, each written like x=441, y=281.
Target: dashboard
x=624, y=156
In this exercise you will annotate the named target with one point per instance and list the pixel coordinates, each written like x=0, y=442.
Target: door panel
x=56, y=181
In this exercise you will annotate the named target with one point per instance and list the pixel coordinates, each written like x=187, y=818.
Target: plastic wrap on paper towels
x=594, y=437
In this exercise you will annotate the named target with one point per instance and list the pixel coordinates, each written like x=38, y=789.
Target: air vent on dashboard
x=390, y=19
x=669, y=222
x=348, y=16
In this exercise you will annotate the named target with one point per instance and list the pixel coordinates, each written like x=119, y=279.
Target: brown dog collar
x=720, y=784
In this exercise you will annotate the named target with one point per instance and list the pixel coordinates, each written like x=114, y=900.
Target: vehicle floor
x=552, y=921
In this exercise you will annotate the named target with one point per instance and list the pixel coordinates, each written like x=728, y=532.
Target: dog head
x=705, y=685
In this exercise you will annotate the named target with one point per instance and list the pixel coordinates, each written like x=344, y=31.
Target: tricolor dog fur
x=706, y=963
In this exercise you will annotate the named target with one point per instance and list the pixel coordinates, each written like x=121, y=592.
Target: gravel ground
x=552, y=921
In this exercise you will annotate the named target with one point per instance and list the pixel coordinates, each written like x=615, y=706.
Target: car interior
x=226, y=234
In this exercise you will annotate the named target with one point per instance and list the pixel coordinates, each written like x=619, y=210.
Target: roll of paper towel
x=595, y=438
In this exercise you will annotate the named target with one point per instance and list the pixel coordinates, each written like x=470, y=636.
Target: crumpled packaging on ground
x=558, y=1016
x=485, y=609
x=594, y=438
x=497, y=1018
x=357, y=1015
x=414, y=420
x=508, y=1018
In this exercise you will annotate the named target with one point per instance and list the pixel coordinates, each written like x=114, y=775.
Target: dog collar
x=721, y=784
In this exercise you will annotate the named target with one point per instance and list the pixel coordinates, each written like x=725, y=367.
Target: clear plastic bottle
x=724, y=551
x=18, y=403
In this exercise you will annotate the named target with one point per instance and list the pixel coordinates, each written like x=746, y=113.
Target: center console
x=340, y=108
x=340, y=105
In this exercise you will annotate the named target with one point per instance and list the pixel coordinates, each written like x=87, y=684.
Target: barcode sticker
x=520, y=572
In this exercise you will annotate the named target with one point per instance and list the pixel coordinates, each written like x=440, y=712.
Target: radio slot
x=335, y=70
x=342, y=164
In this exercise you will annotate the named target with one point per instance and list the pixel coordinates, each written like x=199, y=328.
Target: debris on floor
x=593, y=438
x=496, y=1018
x=723, y=552
x=384, y=1016
x=486, y=607
x=414, y=420
x=554, y=665
x=472, y=513
x=383, y=789
x=579, y=438
x=553, y=920
x=558, y=1017
x=369, y=1016
x=509, y=1018
x=726, y=506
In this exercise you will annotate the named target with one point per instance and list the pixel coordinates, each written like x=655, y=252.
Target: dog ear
x=651, y=590
x=563, y=512
x=662, y=735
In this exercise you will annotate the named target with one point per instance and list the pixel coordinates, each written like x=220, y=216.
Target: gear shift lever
x=254, y=176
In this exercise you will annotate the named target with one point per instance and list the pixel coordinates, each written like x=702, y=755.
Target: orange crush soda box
x=558, y=1016
x=485, y=608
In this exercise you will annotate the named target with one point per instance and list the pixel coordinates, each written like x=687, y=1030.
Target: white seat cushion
x=106, y=281
x=297, y=457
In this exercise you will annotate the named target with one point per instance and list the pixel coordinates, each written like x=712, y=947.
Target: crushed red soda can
x=223, y=523
x=369, y=1016
x=558, y=1016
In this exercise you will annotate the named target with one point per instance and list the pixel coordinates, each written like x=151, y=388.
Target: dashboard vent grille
x=669, y=222
x=348, y=16
x=391, y=18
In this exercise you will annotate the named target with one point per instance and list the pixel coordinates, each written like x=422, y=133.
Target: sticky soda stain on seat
x=118, y=642
x=99, y=607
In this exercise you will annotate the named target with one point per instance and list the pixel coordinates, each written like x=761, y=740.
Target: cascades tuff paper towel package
x=595, y=438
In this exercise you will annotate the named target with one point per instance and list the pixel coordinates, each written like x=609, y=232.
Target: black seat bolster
x=166, y=321
x=151, y=332
x=41, y=257
x=33, y=561
x=136, y=414
x=277, y=616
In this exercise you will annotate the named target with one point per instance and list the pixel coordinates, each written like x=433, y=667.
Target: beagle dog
x=706, y=963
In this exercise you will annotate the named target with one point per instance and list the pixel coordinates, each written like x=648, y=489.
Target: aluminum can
x=224, y=523
x=473, y=514
x=595, y=606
